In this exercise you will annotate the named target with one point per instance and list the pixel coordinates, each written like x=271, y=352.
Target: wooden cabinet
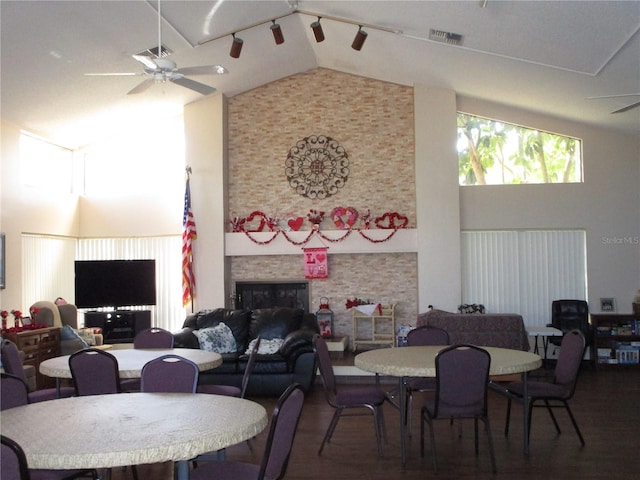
x=379, y=328
x=38, y=346
x=616, y=340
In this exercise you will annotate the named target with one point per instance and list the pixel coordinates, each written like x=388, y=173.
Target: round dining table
x=403, y=362
x=104, y=431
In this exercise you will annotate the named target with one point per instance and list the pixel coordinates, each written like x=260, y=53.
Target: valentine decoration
x=315, y=217
x=324, y=315
x=315, y=262
x=344, y=217
x=389, y=219
x=317, y=167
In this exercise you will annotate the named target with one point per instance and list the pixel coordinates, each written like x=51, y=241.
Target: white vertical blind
x=523, y=271
x=48, y=269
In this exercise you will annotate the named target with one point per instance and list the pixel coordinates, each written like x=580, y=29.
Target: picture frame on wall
x=608, y=305
x=2, y=265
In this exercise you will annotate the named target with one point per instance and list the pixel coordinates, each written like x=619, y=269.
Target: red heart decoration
x=338, y=214
x=321, y=257
x=391, y=220
x=295, y=223
x=248, y=227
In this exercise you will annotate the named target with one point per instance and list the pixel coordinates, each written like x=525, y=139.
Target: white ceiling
x=544, y=56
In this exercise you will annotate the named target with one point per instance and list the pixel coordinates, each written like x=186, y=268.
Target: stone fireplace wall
x=374, y=122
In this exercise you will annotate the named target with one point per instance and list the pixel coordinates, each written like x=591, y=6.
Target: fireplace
x=252, y=295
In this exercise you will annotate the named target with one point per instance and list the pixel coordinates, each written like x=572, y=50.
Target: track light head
x=359, y=39
x=317, y=30
x=277, y=33
x=236, y=46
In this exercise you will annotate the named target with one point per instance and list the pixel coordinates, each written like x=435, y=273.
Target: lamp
x=277, y=33
x=317, y=30
x=359, y=39
x=236, y=46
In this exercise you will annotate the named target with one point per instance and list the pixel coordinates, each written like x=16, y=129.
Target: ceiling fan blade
x=628, y=107
x=141, y=87
x=193, y=85
x=203, y=70
x=146, y=61
x=615, y=96
x=129, y=74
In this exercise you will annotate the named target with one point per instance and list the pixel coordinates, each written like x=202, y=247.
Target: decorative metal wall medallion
x=317, y=167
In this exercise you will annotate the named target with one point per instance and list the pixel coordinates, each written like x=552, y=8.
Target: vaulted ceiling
x=543, y=56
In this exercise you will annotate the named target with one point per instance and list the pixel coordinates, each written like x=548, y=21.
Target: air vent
x=445, y=37
x=153, y=52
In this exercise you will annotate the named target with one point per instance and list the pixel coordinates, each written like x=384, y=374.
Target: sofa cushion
x=236, y=320
x=270, y=323
x=266, y=346
x=68, y=333
x=217, y=339
x=185, y=339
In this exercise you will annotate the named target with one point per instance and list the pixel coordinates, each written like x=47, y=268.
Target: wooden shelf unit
x=38, y=346
x=382, y=327
x=616, y=340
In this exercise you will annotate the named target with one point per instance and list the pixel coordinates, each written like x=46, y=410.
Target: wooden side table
x=380, y=327
x=38, y=346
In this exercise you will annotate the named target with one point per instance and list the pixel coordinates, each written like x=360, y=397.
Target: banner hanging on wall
x=315, y=262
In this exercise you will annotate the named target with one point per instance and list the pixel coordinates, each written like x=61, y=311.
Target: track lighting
x=277, y=33
x=236, y=46
x=317, y=30
x=359, y=39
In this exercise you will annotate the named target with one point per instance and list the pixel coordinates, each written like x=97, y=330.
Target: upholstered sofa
x=503, y=330
x=285, y=355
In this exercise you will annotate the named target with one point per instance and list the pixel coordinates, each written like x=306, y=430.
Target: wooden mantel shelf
x=238, y=244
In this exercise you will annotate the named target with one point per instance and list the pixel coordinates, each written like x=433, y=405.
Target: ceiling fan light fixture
x=236, y=46
x=359, y=39
x=277, y=33
x=317, y=31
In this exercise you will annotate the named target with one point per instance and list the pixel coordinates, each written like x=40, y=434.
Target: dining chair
x=13, y=391
x=153, y=337
x=417, y=337
x=557, y=392
x=12, y=363
x=462, y=379
x=345, y=398
x=13, y=466
x=282, y=431
x=94, y=372
x=232, y=390
x=169, y=373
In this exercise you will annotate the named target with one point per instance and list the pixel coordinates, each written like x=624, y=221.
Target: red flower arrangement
x=315, y=216
x=355, y=302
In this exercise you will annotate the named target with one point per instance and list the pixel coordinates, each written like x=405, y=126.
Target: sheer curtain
x=523, y=271
x=48, y=269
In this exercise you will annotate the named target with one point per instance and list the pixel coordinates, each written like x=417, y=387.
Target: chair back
x=13, y=391
x=462, y=377
x=569, y=360
x=153, y=337
x=94, y=372
x=427, y=335
x=284, y=424
x=11, y=361
x=13, y=461
x=324, y=364
x=249, y=367
x=169, y=373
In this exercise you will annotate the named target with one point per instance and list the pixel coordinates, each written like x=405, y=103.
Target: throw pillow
x=87, y=335
x=267, y=347
x=217, y=339
x=68, y=333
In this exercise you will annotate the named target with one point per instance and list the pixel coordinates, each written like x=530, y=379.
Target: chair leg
x=506, y=423
x=553, y=417
x=475, y=434
x=487, y=428
x=434, y=457
x=377, y=419
x=575, y=424
x=332, y=426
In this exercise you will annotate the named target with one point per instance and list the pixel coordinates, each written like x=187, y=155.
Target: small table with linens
x=420, y=362
x=104, y=431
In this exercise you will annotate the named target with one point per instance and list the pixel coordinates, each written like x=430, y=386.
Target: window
x=44, y=165
x=498, y=153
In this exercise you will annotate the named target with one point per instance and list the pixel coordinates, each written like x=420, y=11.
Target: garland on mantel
x=322, y=235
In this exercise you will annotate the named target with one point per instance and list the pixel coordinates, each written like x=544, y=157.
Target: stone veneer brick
x=374, y=122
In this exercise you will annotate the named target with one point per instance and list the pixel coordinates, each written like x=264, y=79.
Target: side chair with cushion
x=153, y=337
x=13, y=391
x=94, y=372
x=348, y=397
x=12, y=364
x=13, y=466
x=169, y=373
x=558, y=392
x=422, y=336
x=284, y=424
x=462, y=379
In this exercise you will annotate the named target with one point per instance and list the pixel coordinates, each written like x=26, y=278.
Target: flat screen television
x=115, y=283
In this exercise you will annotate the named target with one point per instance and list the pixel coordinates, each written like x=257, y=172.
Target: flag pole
x=188, y=235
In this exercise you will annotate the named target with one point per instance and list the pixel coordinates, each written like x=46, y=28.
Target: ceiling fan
x=158, y=69
x=623, y=109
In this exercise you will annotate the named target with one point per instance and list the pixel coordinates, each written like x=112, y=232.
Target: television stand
x=119, y=326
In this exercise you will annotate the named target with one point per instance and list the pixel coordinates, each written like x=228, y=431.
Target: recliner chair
x=567, y=315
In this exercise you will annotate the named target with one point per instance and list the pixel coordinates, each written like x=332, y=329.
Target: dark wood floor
x=606, y=406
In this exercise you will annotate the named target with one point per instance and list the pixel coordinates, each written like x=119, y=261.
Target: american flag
x=188, y=234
